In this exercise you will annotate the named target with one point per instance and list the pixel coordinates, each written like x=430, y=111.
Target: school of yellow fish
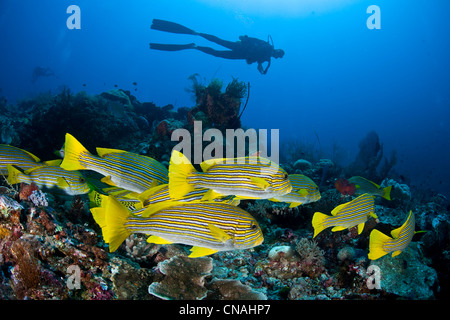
x=185, y=206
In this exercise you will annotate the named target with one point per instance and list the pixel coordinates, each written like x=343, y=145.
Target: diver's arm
x=261, y=68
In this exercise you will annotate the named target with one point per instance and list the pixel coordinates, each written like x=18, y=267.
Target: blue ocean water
x=337, y=81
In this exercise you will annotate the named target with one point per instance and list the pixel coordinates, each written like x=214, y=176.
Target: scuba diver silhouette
x=249, y=49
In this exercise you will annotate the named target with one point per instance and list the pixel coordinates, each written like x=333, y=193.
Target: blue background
x=338, y=78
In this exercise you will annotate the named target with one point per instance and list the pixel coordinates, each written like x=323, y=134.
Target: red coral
x=162, y=129
x=26, y=190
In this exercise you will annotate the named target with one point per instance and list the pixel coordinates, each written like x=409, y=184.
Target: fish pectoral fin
x=302, y=192
x=260, y=182
x=62, y=183
x=197, y=252
x=396, y=232
x=396, y=253
x=158, y=240
x=211, y=195
x=338, y=228
x=218, y=233
x=108, y=181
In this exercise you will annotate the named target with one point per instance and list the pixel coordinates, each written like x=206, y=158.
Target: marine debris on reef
x=53, y=247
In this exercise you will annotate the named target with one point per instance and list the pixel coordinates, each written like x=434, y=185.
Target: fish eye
x=285, y=176
x=82, y=180
x=253, y=226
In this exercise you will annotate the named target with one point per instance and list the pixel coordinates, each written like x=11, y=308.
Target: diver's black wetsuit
x=247, y=48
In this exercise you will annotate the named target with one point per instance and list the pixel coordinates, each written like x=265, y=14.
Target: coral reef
x=51, y=248
x=220, y=108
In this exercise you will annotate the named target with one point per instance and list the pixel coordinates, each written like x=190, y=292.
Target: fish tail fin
x=16, y=176
x=387, y=193
x=376, y=242
x=179, y=169
x=318, y=222
x=111, y=217
x=72, y=151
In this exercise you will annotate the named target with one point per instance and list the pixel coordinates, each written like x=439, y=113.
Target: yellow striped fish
x=72, y=182
x=381, y=244
x=123, y=169
x=17, y=157
x=246, y=178
x=132, y=204
x=304, y=191
x=153, y=198
x=208, y=227
x=346, y=216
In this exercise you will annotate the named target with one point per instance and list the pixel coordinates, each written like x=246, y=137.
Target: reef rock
x=229, y=289
x=399, y=192
x=117, y=95
x=302, y=164
x=184, y=278
x=407, y=274
x=281, y=251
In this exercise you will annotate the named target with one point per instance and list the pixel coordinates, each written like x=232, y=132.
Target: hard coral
x=184, y=278
x=229, y=289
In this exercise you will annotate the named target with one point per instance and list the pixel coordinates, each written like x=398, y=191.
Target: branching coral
x=311, y=257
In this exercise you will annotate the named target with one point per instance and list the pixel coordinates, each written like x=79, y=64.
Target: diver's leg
x=221, y=54
x=171, y=47
x=224, y=43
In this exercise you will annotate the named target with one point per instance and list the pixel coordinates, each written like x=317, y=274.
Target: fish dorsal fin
x=371, y=182
x=104, y=151
x=28, y=171
x=197, y=252
x=336, y=210
x=108, y=180
x=62, y=183
x=151, y=209
x=31, y=155
x=218, y=233
x=207, y=164
x=158, y=240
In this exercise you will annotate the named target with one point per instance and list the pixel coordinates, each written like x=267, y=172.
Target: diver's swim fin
x=171, y=47
x=163, y=25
